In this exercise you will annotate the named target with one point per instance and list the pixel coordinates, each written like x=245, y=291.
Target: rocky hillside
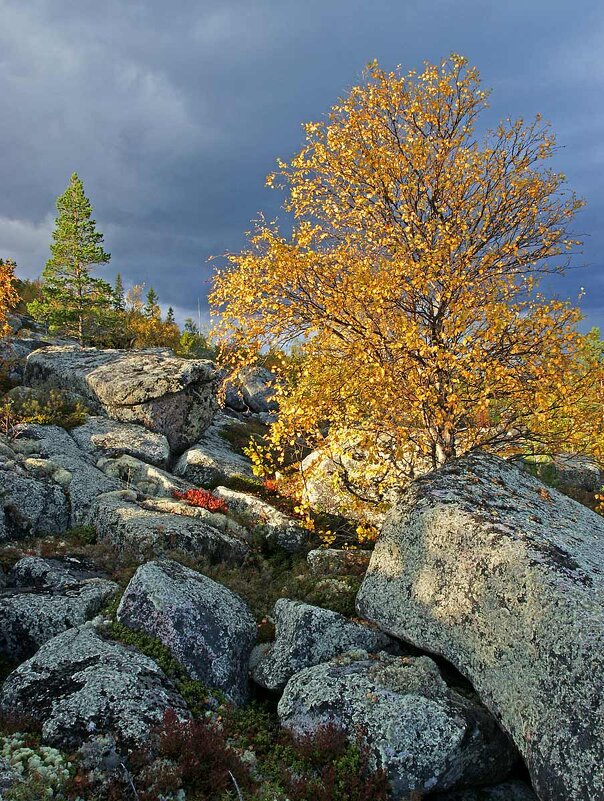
x=171, y=630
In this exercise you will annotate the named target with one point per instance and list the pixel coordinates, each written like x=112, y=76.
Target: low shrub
x=202, y=499
x=52, y=408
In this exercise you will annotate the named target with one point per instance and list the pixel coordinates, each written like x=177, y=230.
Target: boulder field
x=476, y=652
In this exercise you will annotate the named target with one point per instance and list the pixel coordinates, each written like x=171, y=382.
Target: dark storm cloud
x=174, y=113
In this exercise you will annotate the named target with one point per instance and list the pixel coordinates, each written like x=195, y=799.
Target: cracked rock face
x=308, y=635
x=154, y=388
x=208, y=628
x=504, y=577
x=79, y=685
x=109, y=438
x=425, y=735
x=118, y=519
x=44, y=598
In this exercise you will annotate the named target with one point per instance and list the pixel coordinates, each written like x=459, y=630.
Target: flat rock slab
x=118, y=519
x=425, y=735
x=110, y=438
x=212, y=460
x=209, y=629
x=308, y=635
x=504, y=577
x=269, y=524
x=154, y=388
x=336, y=562
x=79, y=685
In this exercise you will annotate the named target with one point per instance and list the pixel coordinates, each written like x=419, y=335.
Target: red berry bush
x=202, y=499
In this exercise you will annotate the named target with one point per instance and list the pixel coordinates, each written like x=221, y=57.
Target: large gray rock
x=208, y=628
x=257, y=388
x=269, y=524
x=425, y=735
x=79, y=685
x=119, y=520
x=212, y=461
x=566, y=470
x=49, y=451
x=504, y=577
x=44, y=598
x=307, y=635
x=110, y=438
x=172, y=396
x=148, y=480
x=30, y=505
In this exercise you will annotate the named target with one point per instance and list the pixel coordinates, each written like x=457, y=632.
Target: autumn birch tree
x=8, y=293
x=410, y=279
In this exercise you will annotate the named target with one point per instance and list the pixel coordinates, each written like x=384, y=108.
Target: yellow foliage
x=8, y=294
x=409, y=282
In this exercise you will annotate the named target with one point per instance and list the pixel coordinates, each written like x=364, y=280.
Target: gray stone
x=256, y=385
x=66, y=464
x=113, y=439
x=425, y=735
x=119, y=520
x=30, y=505
x=274, y=527
x=79, y=685
x=567, y=471
x=29, y=619
x=212, y=461
x=335, y=562
x=50, y=574
x=307, y=635
x=166, y=394
x=508, y=791
x=144, y=478
x=208, y=628
x=504, y=577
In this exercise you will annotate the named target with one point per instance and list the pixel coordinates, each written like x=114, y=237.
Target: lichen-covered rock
x=425, y=735
x=44, y=597
x=79, y=685
x=30, y=617
x=504, y=577
x=29, y=506
x=508, y=791
x=336, y=562
x=268, y=523
x=566, y=471
x=51, y=451
x=118, y=519
x=172, y=396
x=148, y=480
x=113, y=439
x=212, y=460
x=50, y=574
x=208, y=628
x=216, y=520
x=307, y=635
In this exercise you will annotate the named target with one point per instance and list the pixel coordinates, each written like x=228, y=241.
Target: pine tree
x=152, y=310
x=119, y=299
x=73, y=302
x=170, y=319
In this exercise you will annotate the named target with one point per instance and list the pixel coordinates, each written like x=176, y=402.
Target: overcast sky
x=173, y=113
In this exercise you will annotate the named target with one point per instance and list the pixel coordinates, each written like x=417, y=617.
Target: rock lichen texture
x=208, y=628
x=424, y=734
x=173, y=396
x=504, y=577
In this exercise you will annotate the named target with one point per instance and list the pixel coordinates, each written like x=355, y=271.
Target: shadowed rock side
x=173, y=396
x=504, y=578
x=79, y=685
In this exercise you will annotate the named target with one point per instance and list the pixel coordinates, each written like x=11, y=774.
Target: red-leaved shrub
x=203, y=499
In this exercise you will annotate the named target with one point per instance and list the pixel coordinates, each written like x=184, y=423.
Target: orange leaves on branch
x=409, y=280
